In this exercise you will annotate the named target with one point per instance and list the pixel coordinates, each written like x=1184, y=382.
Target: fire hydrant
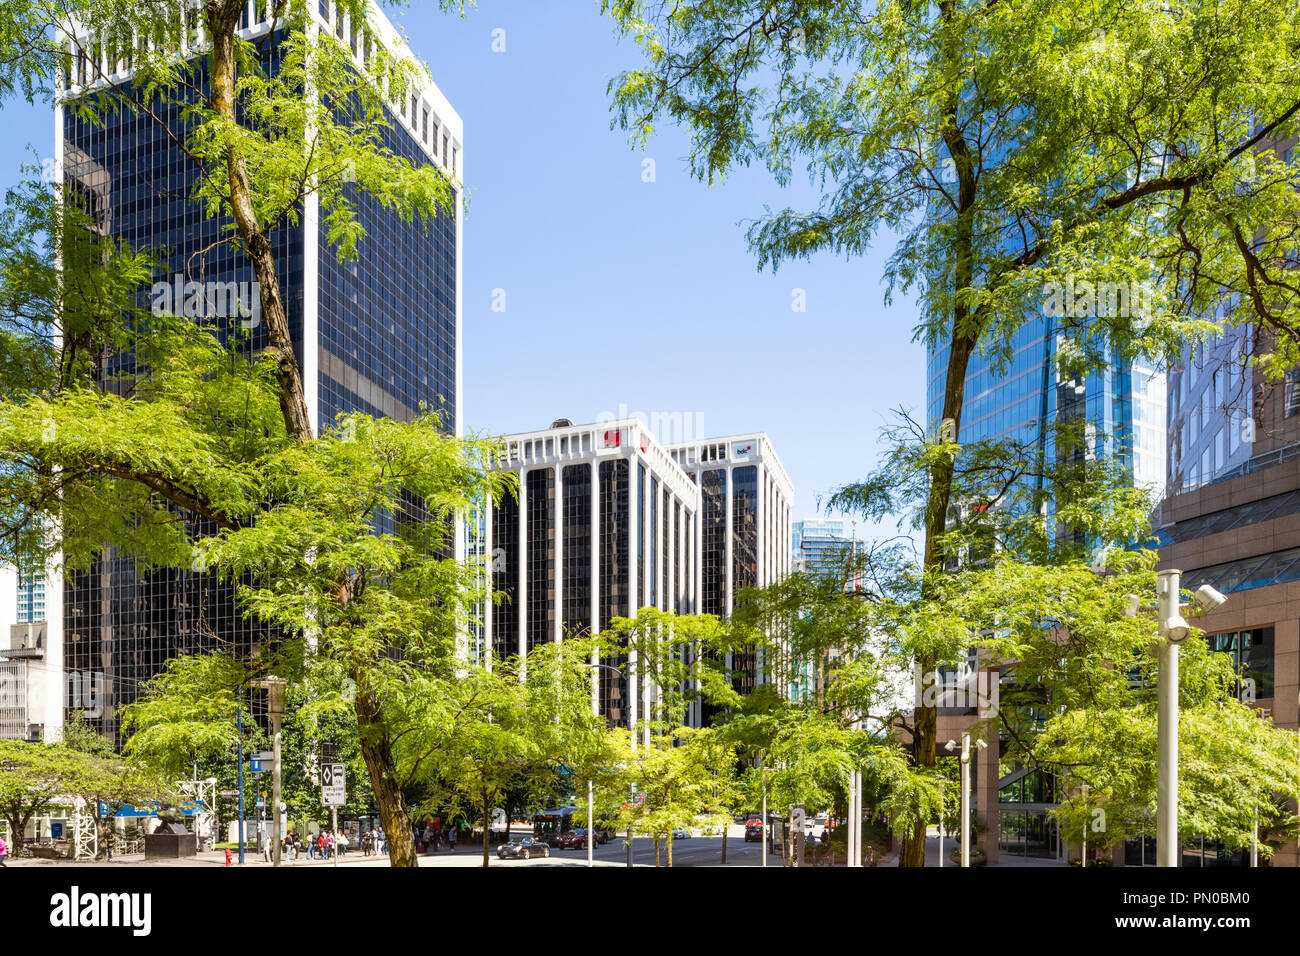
x=227, y=857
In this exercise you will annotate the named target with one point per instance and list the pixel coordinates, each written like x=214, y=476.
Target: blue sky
x=623, y=294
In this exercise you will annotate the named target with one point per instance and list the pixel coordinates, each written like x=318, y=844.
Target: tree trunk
x=964, y=338
x=377, y=749
x=17, y=833
x=487, y=824
x=724, y=844
x=656, y=836
x=222, y=20
x=669, y=841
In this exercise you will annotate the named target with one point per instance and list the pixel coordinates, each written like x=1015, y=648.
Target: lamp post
x=1173, y=628
x=240, y=770
x=591, y=786
x=941, y=806
x=1083, y=860
x=275, y=687
x=965, y=791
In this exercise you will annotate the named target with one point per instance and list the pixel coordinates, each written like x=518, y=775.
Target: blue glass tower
x=1123, y=405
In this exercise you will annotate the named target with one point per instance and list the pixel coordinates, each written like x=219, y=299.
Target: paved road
x=697, y=851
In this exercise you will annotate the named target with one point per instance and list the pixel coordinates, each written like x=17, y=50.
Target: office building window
x=541, y=556
x=1252, y=656
x=613, y=601
x=576, y=606
x=1292, y=395
x=505, y=576
x=713, y=531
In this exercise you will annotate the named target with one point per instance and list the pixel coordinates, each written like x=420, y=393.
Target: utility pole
x=591, y=819
x=1174, y=631
x=240, y=772
x=1083, y=860
x=275, y=687
x=965, y=791
x=941, y=806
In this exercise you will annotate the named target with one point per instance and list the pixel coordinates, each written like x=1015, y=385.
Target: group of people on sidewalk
x=431, y=836
x=321, y=846
x=374, y=842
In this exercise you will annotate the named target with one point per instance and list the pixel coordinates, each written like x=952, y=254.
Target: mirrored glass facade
x=384, y=343
x=540, y=502
x=1124, y=405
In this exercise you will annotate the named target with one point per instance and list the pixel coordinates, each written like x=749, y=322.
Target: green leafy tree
x=1011, y=149
x=35, y=778
x=486, y=733
x=674, y=781
x=199, y=430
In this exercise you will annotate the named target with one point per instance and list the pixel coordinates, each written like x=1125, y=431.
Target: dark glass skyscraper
x=379, y=334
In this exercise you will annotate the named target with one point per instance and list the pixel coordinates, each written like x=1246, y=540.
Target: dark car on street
x=576, y=839
x=524, y=848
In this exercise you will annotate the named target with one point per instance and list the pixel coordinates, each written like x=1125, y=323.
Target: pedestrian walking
x=4, y=851
x=108, y=845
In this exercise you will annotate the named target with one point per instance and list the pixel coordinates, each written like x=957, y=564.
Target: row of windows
x=576, y=604
x=540, y=557
x=413, y=108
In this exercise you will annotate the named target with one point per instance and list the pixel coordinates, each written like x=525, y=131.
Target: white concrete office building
x=605, y=523
x=745, y=505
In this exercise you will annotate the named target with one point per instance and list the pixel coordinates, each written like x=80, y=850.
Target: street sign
x=229, y=794
x=333, y=791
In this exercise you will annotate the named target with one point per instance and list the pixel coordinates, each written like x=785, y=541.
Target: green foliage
x=677, y=779
x=1007, y=146
x=474, y=737
x=188, y=711
x=1235, y=772
x=290, y=146
x=34, y=778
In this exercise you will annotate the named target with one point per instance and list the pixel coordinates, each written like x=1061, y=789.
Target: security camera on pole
x=1174, y=629
x=965, y=792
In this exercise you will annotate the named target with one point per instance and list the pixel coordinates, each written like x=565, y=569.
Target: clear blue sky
x=623, y=294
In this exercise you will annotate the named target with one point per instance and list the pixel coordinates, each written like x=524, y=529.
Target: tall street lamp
x=1173, y=629
x=275, y=687
x=239, y=718
x=591, y=787
x=965, y=790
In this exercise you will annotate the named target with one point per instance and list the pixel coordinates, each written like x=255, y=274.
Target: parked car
x=681, y=833
x=575, y=839
x=525, y=848
x=754, y=831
